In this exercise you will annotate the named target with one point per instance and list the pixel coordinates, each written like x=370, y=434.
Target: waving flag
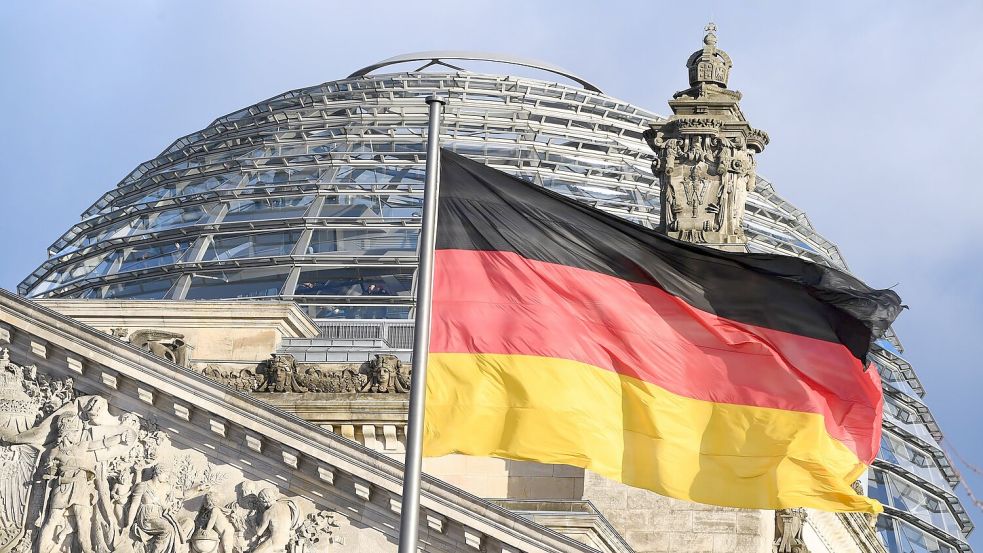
x=562, y=334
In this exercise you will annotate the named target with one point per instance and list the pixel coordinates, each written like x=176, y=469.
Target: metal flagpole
x=409, y=522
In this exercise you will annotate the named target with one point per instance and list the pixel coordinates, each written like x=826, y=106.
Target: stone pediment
x=115, y=449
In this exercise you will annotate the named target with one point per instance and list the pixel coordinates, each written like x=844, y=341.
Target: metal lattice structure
x=315, y=196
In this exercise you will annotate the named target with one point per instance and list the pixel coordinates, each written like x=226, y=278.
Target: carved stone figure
x=169, y=345
x=153, y=513
x=281, y=375
x=25, y=397
x=277, y=524
x=789, y=524
x=386, y=375
x=705, y=154
x=214, y=529
x=68, y=514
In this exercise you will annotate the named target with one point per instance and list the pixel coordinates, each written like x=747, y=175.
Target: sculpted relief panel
x=706, y=178
x=74, y=477
x=282, y=374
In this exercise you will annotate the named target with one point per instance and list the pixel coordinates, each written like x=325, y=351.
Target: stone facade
x=122, y=450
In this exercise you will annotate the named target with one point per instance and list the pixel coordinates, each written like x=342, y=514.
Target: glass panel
x=914, y=540
x=267, y=208
x=170, y=219
x=369, y=206
x=906, y=496
x=105, y=233
x=175, y=189
x=276, y=177
x=95, y=266
x=885, y=527
x=144, y=289
x=251, y=245
x=379, y=174
x=921, y=463
x=154, y=255
x=357, y=311
x=896, y=412
x=239, y=283
x=364, y=241
x=356, y=281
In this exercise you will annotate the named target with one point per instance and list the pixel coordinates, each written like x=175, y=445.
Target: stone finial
x=709, y=65
x=705, y=155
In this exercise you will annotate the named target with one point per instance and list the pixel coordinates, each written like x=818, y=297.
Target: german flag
x=562, y=334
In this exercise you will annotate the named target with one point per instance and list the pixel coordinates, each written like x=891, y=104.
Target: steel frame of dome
x=315, y=193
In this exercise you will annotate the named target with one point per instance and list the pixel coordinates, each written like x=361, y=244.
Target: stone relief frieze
x=282, y=374
x=74, y=477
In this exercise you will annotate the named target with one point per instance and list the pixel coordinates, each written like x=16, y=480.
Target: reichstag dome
x=315, y=196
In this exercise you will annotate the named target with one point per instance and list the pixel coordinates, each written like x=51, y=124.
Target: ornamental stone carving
x=384, y=374
x=705, y=154
x=169, y=345
x=74, y=477
x=789, y=524
x=281, y=375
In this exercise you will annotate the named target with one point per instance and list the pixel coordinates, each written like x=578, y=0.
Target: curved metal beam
x=437, y=56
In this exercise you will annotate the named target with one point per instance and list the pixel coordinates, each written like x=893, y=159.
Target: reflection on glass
x=357, y=311
x=154, y=255
x=355, y=281
x=379, y=174
x=364, y=241
x=369, y=206
x=904, y=454
x=90, y=267
x=238, y=283
x=194, y=186
x=267, y=208
x=900, y=536
x=903, y=495
x=239, y=246
x=144, y=289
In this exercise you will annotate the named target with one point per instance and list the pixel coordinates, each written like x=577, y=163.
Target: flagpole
x=409, y=522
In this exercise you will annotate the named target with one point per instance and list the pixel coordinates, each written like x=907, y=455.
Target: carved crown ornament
x=705, y=154
x=78, y=478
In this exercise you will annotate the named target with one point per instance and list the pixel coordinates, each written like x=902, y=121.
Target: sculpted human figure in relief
x=277, y=523
x=153, y=514
x=67, y=514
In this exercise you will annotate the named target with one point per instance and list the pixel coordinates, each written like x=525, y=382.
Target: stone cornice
x=285, y=316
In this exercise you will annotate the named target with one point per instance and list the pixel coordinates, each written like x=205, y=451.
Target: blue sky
x=874, y=110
